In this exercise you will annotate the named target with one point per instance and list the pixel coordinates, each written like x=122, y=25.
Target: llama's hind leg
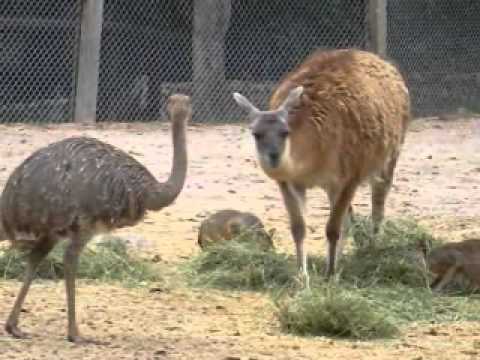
x=380, y=186
x=35, y=257
x=294, y=197
x=439, y=283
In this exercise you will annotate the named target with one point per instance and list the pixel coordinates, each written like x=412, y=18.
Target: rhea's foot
x=80, y=340
x=16, y=332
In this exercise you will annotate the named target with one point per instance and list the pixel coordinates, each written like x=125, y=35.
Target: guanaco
x=335, y=121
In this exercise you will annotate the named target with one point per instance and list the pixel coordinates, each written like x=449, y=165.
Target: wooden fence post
x=377, y=20
x=210, y=95
x=89, y=61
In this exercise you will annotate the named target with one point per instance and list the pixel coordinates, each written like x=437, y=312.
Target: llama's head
x=270, y=128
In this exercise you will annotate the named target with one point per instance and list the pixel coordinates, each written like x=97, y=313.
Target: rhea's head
x=270, y=129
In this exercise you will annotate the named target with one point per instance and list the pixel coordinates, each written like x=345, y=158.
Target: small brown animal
x=335, y=121
x=451, y=260
x=77, y=187
x=227, y=224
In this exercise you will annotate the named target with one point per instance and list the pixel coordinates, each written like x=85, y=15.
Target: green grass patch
x=240, y=265
x=108, y=260
x=335, y=311
x=389, y=258
x=382, y=284
x=341, y=310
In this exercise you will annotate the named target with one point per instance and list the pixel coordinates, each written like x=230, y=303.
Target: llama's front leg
x=346, y=223
x=339, y=211
x=293, y=197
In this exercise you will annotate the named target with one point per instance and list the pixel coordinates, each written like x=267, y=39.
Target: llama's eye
x=257, y=136
x=284, y=133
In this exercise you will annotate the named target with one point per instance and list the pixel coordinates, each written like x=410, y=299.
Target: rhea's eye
x=257, y=136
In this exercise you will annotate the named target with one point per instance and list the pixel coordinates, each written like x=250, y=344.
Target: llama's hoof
x=16, y=332
x=330, y=274
x=332, y=277
x=303, y=280
x=80, y=340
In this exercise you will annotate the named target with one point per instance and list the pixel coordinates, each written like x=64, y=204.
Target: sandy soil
x=437, y=182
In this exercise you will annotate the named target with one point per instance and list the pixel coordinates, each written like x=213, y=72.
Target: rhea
x=76, y=188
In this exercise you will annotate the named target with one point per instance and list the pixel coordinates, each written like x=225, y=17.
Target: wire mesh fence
x=437, y=46
x=38, y=51
x=145, y=54
x=211, y=48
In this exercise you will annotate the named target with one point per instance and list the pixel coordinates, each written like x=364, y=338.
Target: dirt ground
x=437, y=182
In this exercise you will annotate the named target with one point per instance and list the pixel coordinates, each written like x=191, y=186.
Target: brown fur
x=454, y=259
x=346, y=126
x=227, y=224
x=352, y=101
x=3, y=234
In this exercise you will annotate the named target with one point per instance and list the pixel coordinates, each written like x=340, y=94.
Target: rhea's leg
x=71, y=256
x=35, y=257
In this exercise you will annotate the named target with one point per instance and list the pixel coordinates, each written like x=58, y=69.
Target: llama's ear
x=422, y=246
x=293, y=99
x=271, y=232
x=243, y=102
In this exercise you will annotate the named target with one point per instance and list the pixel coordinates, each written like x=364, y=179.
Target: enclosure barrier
x=119, y=60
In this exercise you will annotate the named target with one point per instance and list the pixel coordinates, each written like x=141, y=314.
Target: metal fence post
x=377, y=20
x=211, y=19
x=89, y=61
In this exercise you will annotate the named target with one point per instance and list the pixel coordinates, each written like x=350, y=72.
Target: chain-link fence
x=38, y=51
x=208, y=49
x=436, y=43
x=145, y=54
x=211, y=48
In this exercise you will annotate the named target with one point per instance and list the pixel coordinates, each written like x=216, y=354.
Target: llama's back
x=470, y=248
x=345, y=75
x=471, y=268
x=461, y=254
x=354, y=102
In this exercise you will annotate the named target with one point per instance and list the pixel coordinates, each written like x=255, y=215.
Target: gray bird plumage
x=77, y=187
x=73, y=182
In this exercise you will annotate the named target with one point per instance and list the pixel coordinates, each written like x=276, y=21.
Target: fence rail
x=119, y=60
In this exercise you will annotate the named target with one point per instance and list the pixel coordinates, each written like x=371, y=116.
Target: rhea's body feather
x=75, y=182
